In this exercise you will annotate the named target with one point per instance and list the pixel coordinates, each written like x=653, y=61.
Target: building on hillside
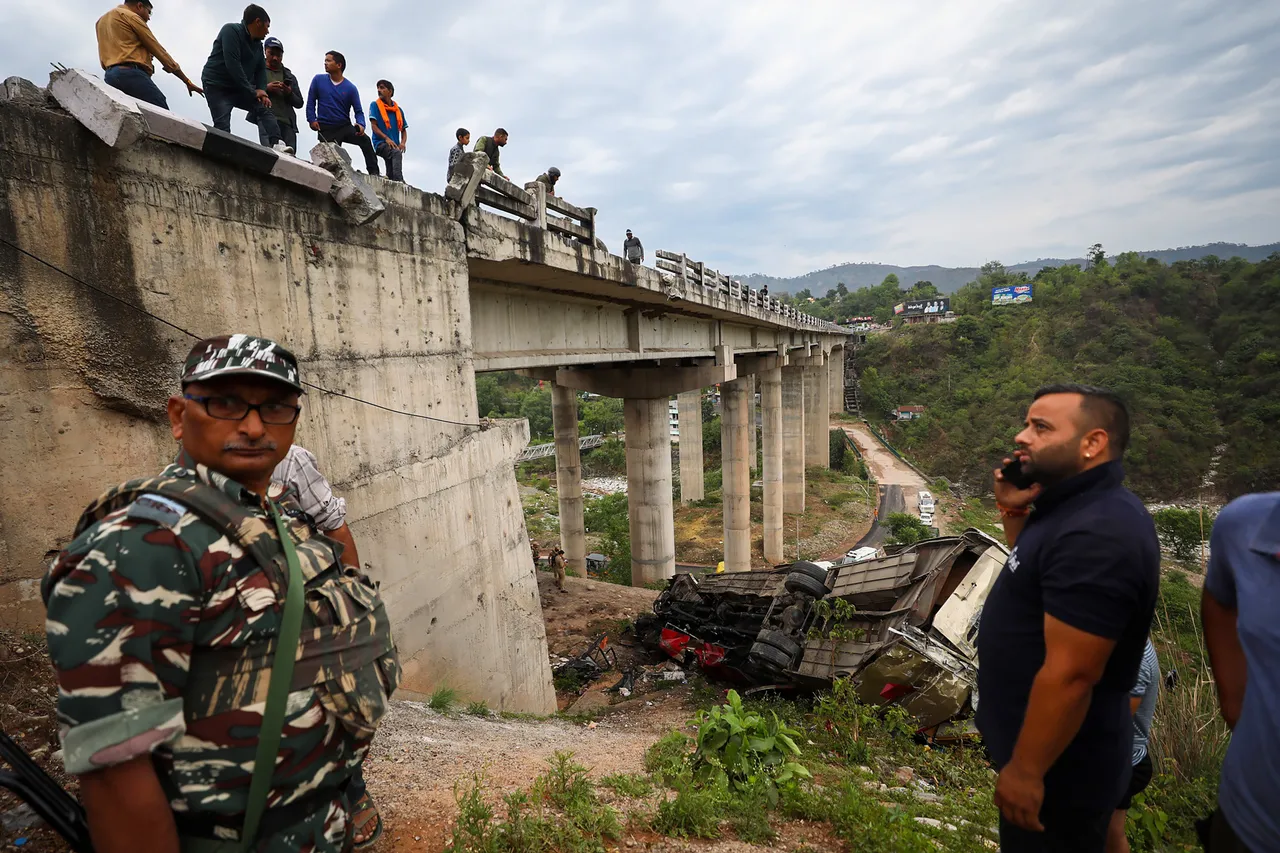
x=908, y=413
x=673, y=418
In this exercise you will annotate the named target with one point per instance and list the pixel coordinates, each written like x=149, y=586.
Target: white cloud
x=760, y=135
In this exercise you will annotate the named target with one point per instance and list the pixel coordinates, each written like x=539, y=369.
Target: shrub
x=693, y=812
x=745, y=750
x=666, y=758
x=907, y=529
x=628, y=784
x=443, y=699
x=1183, y=532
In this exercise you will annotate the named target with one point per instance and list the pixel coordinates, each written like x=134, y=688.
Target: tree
x=906, y=529
x=1097, y=256
x=536, y=407
x=602, y=416
x=1180, y=531
x=608, y=518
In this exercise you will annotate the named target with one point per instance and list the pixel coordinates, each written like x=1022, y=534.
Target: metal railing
x=542, y=451
x=473, y=182
x=695, y=274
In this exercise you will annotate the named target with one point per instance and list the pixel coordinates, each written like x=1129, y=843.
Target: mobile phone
x=1015, y=476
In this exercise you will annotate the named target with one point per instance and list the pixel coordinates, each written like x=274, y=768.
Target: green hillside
x=1194, y=346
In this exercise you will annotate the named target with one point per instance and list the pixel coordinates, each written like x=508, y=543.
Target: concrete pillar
x=793, y=439
x=691, y=485
x=752, y=455
x=816, y=420
x=737, y=475
x=835, y=375
x=573, y=530
x=653, y=533
x=771, y=436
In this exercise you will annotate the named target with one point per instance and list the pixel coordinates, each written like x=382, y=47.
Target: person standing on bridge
x=391, y=128
x=126, y=47
x=235, y=76
x=174, y=620
x=633, y=249
x=1064, y=627
x=492, y=146
x=331, y=101
x=285, y=94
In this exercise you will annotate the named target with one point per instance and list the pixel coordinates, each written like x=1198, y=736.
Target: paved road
x=891, y=501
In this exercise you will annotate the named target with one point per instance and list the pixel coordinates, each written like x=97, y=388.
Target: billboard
x=924, y=307
x=1011, y=295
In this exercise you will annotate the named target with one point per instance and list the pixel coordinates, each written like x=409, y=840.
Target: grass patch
x=692, y=814
x=478, y=709
x=631, y=785
x=665, y=760
x=443, y=700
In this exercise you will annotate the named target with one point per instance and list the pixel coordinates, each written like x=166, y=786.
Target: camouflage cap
x=241, y=355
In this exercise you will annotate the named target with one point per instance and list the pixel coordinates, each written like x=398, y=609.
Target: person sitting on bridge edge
x=285, y=94
x=455, y=153
x=492, y=145
x=390, y=129
x=190, y=582
x=126, y=47
x=330, y=103
x=632, y=249
x=549, y=178
x=235, y=76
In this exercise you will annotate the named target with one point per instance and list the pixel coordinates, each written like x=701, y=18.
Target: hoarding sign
x=1011, y=295
x=923, y=308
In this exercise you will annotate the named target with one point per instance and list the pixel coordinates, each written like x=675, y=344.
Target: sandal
x=365, y=806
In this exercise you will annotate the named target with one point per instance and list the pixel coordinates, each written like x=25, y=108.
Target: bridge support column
x=771, y=436
x=817, y=422
x=752, y=454
x=691, y=481
x=737, y=475
x=835, y=379
x=573, y=530
x=653, y=534
x=793, y=440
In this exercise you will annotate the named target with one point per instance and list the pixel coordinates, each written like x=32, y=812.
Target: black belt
x=273, y=820
x=137, y=65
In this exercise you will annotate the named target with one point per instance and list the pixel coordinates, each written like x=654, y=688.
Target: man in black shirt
x=1065, y=625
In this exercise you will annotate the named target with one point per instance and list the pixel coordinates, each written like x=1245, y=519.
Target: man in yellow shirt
x=126, y=47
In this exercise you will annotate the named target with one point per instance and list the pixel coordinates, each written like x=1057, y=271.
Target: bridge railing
x=696, y=274
x=472, y=182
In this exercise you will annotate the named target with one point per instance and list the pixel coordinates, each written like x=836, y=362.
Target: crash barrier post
x=695, y=274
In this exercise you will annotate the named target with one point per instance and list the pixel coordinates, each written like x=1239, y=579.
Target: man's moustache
x=249, y=445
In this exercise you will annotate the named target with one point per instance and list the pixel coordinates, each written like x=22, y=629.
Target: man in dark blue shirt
x=235, y=76
x=1064, y=627
x=1239, y=607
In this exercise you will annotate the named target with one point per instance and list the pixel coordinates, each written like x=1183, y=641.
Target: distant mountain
x=951, y=279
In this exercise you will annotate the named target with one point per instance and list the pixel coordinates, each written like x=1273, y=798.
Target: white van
x=858, y=555
x=925, y=501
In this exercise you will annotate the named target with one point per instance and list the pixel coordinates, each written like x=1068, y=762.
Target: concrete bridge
x=123, y=227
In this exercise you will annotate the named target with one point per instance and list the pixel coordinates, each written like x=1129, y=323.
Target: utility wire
x=194, y=336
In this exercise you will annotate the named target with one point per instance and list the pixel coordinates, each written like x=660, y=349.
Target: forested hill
x=1193, y=346
x=950, y=279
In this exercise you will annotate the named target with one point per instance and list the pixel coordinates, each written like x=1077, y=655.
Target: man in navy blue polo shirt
x=1239, y=607
x=1065, y=625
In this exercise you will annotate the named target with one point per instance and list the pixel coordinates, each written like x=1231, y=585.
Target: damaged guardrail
x=472, y=183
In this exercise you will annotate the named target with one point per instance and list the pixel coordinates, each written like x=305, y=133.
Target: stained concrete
x=793, y=439
x=737, y=476
x=692, y=486
x=375, y=312
x=653, y=532
x=771, y=435
x=573, y=531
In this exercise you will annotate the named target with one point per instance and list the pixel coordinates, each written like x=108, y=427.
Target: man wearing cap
x=126, y=47
x=285, y=94
x=235, y=76
x=220, y=672
x=632, y=249
x=548, y=179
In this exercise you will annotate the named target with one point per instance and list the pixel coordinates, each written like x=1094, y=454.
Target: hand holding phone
x=1013, y=474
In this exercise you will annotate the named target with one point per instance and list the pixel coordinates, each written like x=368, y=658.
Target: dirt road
x=888, y=469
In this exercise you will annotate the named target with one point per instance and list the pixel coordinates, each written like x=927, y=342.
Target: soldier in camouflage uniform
x=163, y=616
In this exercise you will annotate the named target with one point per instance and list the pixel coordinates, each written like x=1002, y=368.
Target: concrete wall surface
x=379, y=312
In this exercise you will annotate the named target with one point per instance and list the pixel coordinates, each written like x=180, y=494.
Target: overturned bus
x=904, y=626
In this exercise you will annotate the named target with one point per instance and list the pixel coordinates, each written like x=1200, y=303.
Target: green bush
x=906, y=529
x=1182, y=533
x=692, y=813
x=667, y=758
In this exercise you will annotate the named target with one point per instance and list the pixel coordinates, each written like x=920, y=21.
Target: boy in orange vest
x=390, y=130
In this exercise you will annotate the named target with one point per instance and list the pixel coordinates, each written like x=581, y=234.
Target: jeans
x=288, y=135
x=395, y=160
x=223, y=101
x=1066, y=830
x=345, y=134
x=136, y=82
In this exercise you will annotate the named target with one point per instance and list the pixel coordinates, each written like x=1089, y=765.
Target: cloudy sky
x=781, y=137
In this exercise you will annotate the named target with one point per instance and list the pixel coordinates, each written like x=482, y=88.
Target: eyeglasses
x=235, y=409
